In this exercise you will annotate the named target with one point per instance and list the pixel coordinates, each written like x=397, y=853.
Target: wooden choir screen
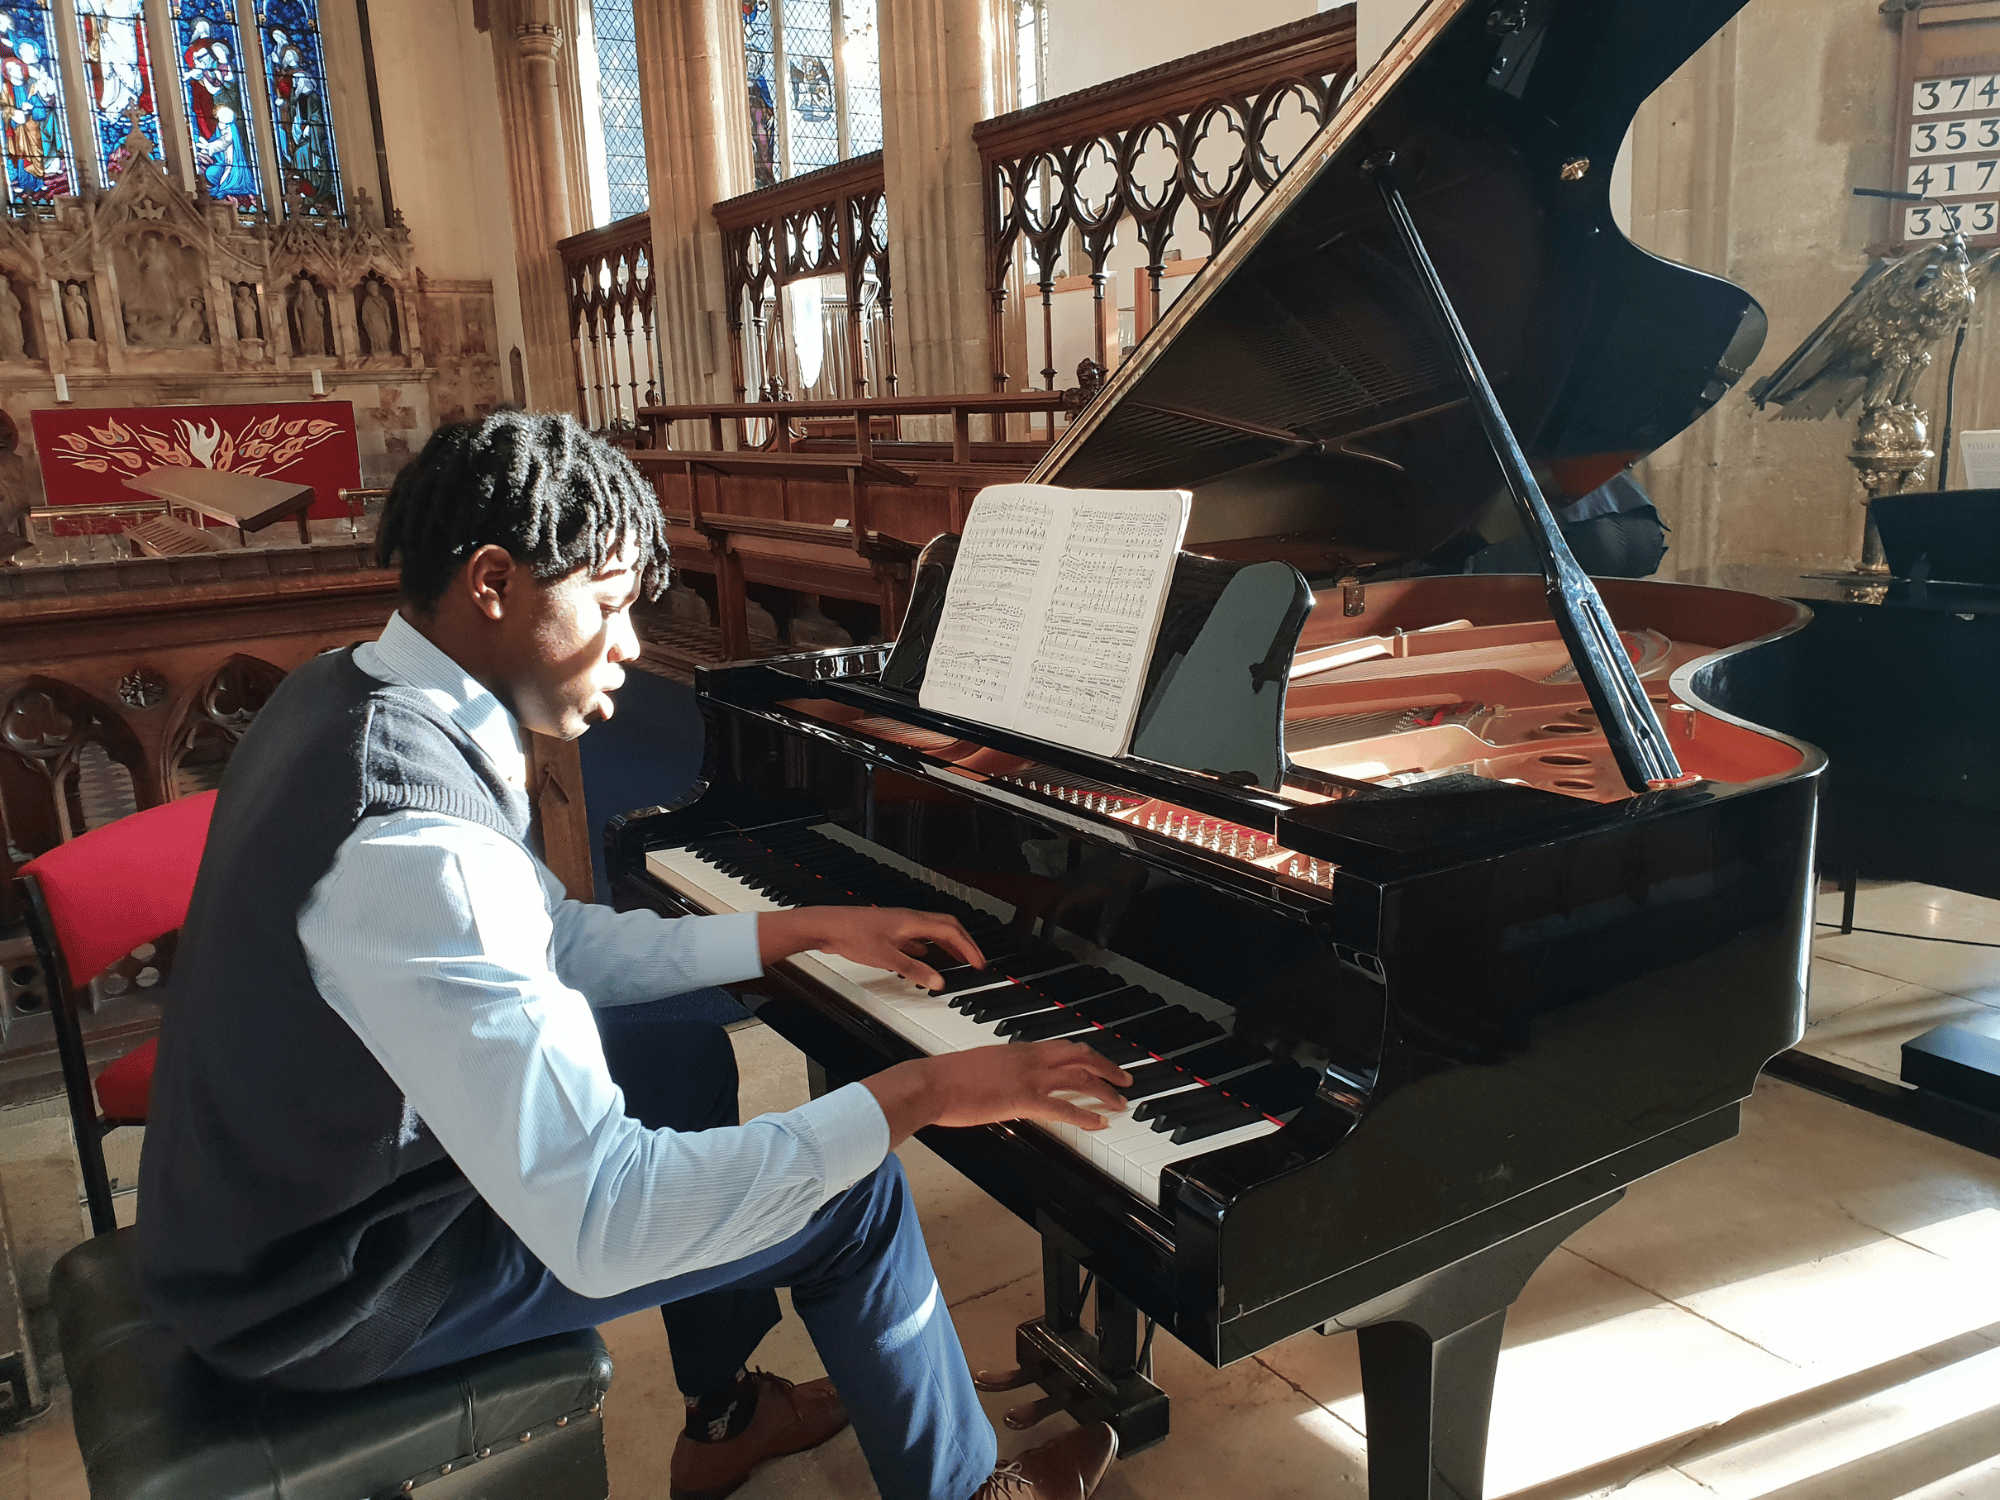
x=1181, y=153
x=608, y=274
x=780, y=246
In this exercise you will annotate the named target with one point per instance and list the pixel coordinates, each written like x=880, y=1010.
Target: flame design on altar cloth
x=259, y=447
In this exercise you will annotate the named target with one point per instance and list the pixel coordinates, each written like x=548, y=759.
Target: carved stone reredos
x=75, y=244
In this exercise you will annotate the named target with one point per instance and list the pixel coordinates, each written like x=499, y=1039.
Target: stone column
x=528, y=54
x=944, y=69
x=691, y=84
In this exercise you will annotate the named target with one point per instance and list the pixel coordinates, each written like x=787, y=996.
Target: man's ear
x=490, y=573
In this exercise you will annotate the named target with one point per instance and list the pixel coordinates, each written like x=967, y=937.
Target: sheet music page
x=1055, y=601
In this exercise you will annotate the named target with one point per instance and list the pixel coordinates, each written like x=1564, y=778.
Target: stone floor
x=1808, y=1312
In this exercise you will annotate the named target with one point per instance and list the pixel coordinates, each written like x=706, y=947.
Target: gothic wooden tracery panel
x=68, y=763
x=214, y=719
x=1193, y=144
x=781, y=248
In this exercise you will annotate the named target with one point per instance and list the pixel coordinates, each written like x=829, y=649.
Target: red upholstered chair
x=90, y=902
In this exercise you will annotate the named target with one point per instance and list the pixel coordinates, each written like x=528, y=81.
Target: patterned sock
x=724, y=1412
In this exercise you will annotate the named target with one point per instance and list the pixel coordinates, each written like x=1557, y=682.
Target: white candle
x=62, y=387
x=319, y=383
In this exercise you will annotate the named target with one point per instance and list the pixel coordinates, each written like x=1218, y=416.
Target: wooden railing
x=608, y=273
x=833, y=502
x=1185, y=148
x=833, y=222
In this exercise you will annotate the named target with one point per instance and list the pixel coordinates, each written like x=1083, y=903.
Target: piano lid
x=1302, y=384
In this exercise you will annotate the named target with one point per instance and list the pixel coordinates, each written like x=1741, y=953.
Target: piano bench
x=155, y=1423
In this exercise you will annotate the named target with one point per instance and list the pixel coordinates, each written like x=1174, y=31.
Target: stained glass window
x=618, y=96
x=760, y=56
x=33, y=139
x=861, y=61
x=812, y=128
x=308, y=169
x=217, y=96
x=118, y=78
x=815, y=83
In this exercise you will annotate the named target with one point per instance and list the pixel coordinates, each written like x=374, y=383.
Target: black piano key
x=1171, y=1030
x=1203, y=1126
x=1277, y=1089
x=1115, y=1049
x=1043, y=1026
x=1119, y=1004
x=1151, y=1079
x=1220, y=1059
x=1076, y=984
x=1033, y=961
x=1172, y=1109
x=989, y=1006
x=968, y=978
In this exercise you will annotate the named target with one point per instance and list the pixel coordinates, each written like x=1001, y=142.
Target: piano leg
x=1428, y=1356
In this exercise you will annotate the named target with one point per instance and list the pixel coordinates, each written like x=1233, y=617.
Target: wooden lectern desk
x=242, y=500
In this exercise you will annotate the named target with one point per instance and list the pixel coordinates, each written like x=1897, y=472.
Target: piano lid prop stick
x=1637, y=739
x=1319, y=659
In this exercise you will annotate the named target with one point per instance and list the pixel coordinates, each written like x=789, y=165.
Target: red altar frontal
x=88, y=453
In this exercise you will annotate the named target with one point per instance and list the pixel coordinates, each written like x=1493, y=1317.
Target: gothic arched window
x=813, y=69
x=233, y=92
x=216, y=90
x=614, y=134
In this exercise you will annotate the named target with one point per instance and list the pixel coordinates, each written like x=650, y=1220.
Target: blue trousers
x=859, y=1273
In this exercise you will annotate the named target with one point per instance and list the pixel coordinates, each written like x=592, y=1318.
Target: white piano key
x=1128, y=1152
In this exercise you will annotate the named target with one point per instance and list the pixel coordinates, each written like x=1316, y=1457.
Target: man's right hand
x=1012, y=1081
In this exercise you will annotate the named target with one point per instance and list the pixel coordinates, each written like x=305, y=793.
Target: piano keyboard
x=1195, y=1088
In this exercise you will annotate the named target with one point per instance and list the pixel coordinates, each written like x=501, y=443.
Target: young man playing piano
x=399, y=1118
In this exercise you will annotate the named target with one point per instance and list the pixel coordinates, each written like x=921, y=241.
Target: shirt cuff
x=852, y=1132
x=724, y=949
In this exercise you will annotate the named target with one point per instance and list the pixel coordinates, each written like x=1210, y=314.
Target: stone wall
x=1744, y=165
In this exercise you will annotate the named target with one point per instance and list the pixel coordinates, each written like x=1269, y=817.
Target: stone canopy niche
x=149, y=294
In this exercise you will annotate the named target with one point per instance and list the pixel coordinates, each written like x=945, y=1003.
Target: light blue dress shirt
x=458, y=961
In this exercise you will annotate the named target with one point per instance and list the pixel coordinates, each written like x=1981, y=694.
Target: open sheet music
x=1054, y=604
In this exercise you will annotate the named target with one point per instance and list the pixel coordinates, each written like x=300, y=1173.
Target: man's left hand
x=882, y=937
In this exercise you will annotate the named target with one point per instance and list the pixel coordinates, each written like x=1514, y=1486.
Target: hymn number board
x=1949, y=123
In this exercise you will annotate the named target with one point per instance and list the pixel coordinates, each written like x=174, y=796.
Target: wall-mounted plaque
x=1948, y=123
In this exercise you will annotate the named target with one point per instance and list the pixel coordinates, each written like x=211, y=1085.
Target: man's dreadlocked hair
x=537, y=484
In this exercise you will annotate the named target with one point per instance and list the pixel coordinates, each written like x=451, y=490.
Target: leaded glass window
x=33, y=136
x=217, y=94
x=118, y=79
x=301, y=116
x=618, y=105
x=760, y=57
x=813, y=72
x=221, y=64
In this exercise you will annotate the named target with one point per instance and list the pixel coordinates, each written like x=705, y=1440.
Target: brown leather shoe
x=1067, y=1469
x=789, y=1419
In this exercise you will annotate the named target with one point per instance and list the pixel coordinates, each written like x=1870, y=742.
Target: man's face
x=572, y=637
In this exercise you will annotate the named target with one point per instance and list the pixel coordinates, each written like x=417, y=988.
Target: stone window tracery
x=85, y=84
x=813, y=72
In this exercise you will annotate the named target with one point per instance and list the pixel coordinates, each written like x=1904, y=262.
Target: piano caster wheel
x=1030, y=1413
x=1001, y=1380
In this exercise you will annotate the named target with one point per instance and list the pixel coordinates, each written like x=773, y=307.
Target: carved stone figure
x=153, y=297
x=13, y=341
x=377, y=324
x=76, y=310
x=246, y=311
x=191, y=322
x=310, y=314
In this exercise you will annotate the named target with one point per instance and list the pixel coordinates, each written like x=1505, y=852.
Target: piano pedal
x=1002, y=1380
x=1031, y=1413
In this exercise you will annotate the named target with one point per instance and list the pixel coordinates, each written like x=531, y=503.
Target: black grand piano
x=1421, y=957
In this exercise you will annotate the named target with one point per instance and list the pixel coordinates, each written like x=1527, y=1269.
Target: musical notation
x=1054, y=604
